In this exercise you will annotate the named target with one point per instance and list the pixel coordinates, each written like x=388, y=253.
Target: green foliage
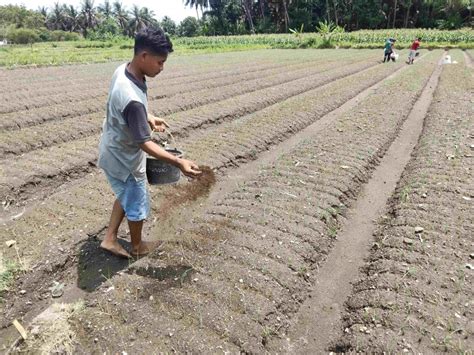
x=7, y=273
x=22, y=36
x=120, y=49
x=297, y=32
x=327, y=30
x=189, y=27
x=20, y=16
x=100, y=19
x=169, y=26
x=105, y=31
x=92, y=44
x=59, y=36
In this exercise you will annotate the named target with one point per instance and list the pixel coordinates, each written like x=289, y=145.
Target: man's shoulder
x=120, y=68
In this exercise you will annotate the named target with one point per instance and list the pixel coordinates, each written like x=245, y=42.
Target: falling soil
x=184, y=193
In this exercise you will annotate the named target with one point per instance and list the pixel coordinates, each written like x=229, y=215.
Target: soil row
x=79, y=89
x=180, y=67
x=416, y=291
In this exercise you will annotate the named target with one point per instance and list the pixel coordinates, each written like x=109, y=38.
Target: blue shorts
x=133, y=197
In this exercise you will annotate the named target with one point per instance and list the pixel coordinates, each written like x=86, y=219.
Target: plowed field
x=336, y=213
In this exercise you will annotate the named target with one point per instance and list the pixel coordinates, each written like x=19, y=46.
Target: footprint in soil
x=96, y=265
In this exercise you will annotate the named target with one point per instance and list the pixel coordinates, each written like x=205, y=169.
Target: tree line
x=270, y=16
x=231, y=17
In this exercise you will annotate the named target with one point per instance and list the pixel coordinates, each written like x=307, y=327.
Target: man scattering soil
x=388, y=50
x=413, y=48
x=126, y=137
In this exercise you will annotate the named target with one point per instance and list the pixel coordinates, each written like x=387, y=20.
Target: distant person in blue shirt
x=388, y=50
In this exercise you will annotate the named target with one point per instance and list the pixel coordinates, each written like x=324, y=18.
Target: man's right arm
x=188, y=167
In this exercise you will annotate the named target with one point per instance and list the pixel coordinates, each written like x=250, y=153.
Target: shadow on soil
x=97, y=265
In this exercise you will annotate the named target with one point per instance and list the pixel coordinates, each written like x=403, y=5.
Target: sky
x=171, y=8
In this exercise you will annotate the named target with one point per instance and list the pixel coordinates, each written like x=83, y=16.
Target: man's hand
x=189, y=168
x=157, y=124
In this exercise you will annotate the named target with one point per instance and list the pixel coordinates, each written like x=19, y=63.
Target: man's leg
x=110, y=241
x=139, y=246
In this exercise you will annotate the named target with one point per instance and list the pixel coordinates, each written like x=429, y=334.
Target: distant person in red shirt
x=413, y=50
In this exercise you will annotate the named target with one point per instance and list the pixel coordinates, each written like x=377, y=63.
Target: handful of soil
x=185, y=193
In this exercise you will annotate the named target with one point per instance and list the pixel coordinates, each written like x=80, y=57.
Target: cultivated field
x=335, y=215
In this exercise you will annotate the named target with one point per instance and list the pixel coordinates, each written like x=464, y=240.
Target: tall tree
x=394, y=13
x=197, y=4
x=168, y=25
x=247, y=8
x=43, y=10
x=121, y=16
x=88, y=16
x=105, y=9
x=141, y=18
x=279, y=9
x=71, y=18
x=56, y=19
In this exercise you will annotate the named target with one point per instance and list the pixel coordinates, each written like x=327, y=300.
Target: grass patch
x=58, y=53
x=8, y=270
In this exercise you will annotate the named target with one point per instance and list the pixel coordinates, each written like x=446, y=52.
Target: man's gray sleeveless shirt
x=119, y=154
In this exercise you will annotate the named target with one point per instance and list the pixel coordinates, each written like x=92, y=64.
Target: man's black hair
x=154, y=40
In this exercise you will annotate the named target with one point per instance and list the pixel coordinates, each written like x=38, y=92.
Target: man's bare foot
x=144, y=248
x=115, y=248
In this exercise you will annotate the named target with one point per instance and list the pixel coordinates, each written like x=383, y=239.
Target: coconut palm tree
x=56, y=18
x=247, y=8
x=149, y=17
x=141, y=18
x=105, y=9
x=136, y=22
x=121, y=16
x=88, y=16
x=197, y=4
x=43, y=10
x=71, y=18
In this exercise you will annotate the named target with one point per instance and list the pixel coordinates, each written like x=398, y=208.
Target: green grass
x=57, y=53
x=7, y=275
